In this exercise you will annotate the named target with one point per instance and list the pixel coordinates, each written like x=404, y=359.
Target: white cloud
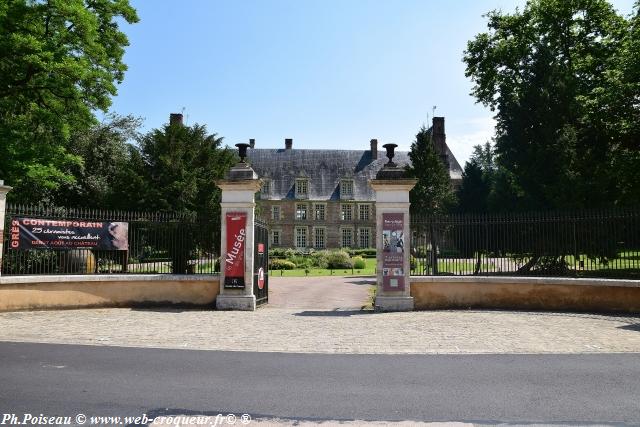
x=462, y=135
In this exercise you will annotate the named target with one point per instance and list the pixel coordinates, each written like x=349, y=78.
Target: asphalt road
x=67, y=379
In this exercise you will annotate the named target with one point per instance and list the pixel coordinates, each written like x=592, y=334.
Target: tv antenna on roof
x=186, y=116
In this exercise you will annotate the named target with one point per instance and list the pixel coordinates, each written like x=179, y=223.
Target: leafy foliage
x=180, y=165
x=59, y=61
x=560, y=77
x=339, y=259
x=105, y=176
x=358, y=263
x=477, y=181
x=432, y=193
x=281, y=264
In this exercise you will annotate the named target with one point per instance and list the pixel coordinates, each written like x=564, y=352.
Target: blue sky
x=329, y=74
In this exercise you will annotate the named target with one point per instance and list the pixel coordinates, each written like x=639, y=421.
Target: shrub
x=358, y=262
x=281, y=264
x=339, y=259
x=277, y=253
x=301, y=261
x=364, y=253
x=320, y=259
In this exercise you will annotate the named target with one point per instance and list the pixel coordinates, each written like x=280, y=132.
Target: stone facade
x=296, y=181
x=328, y=232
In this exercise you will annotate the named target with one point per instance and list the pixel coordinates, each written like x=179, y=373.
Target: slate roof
x=325, y=169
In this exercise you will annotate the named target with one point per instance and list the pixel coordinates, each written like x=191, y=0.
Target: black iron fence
x=571, y=244
x=156, y=242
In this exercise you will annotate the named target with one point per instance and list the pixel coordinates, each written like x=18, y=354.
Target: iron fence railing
x=592, y=243
x=158, y=242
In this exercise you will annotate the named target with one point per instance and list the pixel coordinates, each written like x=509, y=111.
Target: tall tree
x=477, y=181
x=539, y=70
x=107, y=164
x=180, y=165
x=486, y=186
x=433, y=193
x=614, y=110
x=60, y=60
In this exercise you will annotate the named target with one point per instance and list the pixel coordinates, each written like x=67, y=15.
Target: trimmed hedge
x=281, y=264
x=364, y=253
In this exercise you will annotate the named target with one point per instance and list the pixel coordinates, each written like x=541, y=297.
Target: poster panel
x=234, y=259
x=393, y=252
x=37, y=233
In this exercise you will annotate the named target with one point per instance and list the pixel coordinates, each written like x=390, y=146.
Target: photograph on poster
x=393, y=241
x=393, y=251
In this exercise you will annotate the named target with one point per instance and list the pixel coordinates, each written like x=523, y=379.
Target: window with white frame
x=275, y=237
x=275, y=213
x=346, y=212
x=365, y=237
x=301, y=211
x=265, y=191
x=364, y=212
x=319, y=211
x=319, y=238
x=302, y=188
x=301, y=237
x=346, y=189
x=347, y=237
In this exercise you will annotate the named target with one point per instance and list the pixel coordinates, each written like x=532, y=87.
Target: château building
x=321, y=198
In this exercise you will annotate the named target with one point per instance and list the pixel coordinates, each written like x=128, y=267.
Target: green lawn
x=369, y=270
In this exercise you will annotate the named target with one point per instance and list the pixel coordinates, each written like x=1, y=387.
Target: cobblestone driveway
x=320, y=293
x=307, y=331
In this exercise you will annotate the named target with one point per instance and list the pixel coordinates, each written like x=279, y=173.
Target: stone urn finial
x=242, y=151
x=390, y=154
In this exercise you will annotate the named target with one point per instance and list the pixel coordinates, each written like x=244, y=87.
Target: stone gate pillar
x=4, y=189
x=393, y=236
x=238, y=204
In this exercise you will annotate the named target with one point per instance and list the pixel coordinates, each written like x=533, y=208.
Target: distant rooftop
x=325, y=169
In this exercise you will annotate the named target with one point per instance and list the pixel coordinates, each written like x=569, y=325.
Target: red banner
x=393, y=251
x=234, y=258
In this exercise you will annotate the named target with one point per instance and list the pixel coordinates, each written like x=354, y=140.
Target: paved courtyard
x=321, y=331
x=320, y=293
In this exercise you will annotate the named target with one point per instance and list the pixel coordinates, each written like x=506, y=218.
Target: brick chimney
x=374, y=149
x=288, y=143
x=175, y=119
x=439, y=137
x=252, y=143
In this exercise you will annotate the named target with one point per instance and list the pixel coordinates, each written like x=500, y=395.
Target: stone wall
x=531, y=293
x=56, y=292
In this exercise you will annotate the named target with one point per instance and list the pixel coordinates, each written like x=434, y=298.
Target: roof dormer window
x=302, y=188
x=346, y=189
x=265, y=191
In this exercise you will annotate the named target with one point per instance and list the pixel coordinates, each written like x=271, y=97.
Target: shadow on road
x=171, y=308
x=332, y=313
x=631, y=327
x=369, y=282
